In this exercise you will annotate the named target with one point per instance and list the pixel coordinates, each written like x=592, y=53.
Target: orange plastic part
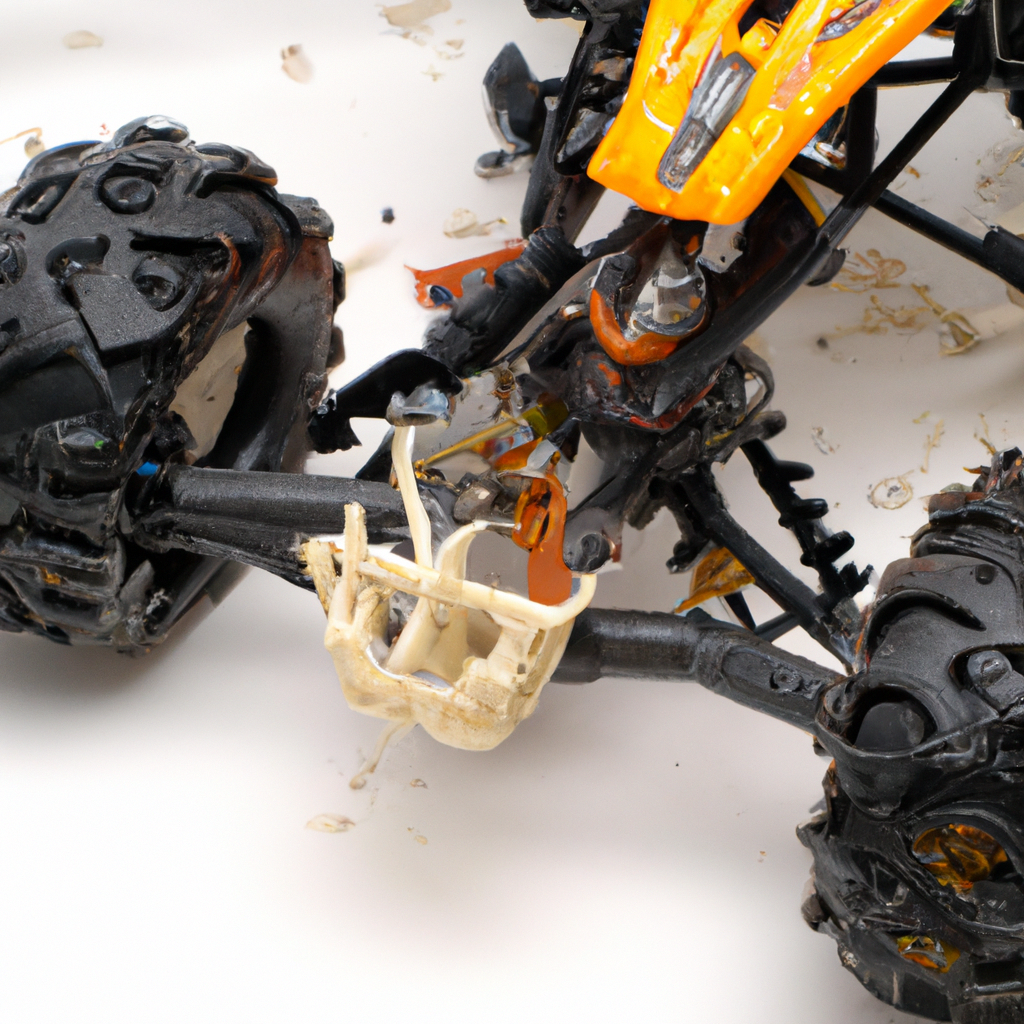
x=801, y=80
x=925, y=951
x=718, y=574
x=959, y=855
x=450, y=277
x=540, y=528
x=647, y=348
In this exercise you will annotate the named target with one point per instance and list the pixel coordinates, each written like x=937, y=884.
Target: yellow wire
x=805, y=195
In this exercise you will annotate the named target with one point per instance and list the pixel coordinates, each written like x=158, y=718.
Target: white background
x=629, y=853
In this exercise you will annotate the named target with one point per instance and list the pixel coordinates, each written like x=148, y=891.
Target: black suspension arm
x=262, y=518
x=723, y=658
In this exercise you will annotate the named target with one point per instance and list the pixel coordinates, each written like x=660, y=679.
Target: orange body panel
x=800, y=82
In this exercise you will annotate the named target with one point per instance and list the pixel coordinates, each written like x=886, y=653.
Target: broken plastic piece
x=717, y=574
x=81, y=40
x=470, y=662
x=452, y=277
x=295, y=64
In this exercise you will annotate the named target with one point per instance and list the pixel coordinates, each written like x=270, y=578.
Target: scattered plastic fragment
x=295, y=64
x=451, y=49
x=931, y=443
x=465, y=224
x=822, y=441
x=986, y=437
x=422, y=840
x=892, y=493
x=923, y=416
x=716, y=575
x=418, y=784
x=994, y=179
x=450, y=278
x=433, y=74
x=965, y=335
x=34, y=144
x=387, y=215
x=411, y=18
x=81, y=40
x=330, y=823
x=414, y=14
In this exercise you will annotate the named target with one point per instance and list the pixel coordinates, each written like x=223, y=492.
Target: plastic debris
x=34, y=144
x=931, y=443
x=469, y=663
x=891, y=493
x=431, y=285
x=387, y=215
x=412, y=15
x=822, y=442
x=465, y=224
x=81, y=40
x=295, y=64
x=330, y=823
x=717, y=575
x=411, y=18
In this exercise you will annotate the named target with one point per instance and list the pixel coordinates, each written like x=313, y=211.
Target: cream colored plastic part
x=472, y=660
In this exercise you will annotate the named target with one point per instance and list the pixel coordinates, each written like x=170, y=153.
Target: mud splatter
x=864, y=273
